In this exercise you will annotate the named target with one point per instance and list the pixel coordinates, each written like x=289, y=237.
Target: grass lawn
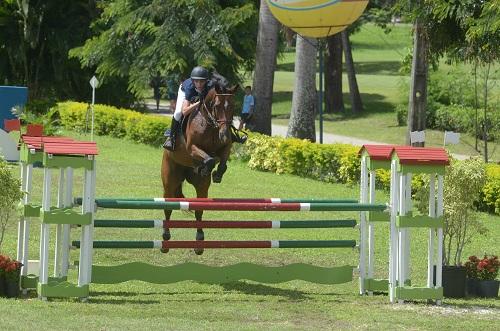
x=377, y=59
x=127, y=169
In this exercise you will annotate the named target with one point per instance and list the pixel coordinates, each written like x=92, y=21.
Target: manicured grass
x=128, y=169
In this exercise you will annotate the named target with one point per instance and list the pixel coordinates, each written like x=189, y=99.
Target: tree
x=418, y=81
x=334, y=101
x=356, y=103
x=35, y=37
x=265, y=64
x=135, y=38
x=301, y=124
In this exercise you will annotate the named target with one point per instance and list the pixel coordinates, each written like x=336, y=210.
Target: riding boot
x=174, y=130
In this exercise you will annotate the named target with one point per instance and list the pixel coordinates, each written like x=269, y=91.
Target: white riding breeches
x=181, y=96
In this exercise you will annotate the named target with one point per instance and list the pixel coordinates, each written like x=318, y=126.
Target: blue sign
x=11, y=96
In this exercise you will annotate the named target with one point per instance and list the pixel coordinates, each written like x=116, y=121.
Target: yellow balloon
x=317, y=18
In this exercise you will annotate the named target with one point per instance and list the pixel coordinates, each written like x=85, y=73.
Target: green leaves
x=137, y=38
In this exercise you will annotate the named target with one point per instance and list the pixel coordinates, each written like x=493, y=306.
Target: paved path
x=328, y=138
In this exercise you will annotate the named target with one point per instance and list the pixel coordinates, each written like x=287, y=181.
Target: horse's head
x=220, y=105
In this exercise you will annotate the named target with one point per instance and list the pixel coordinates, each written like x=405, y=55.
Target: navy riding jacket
x=190, y=91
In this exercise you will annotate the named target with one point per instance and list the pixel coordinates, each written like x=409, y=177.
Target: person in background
x=248, y=104
x=156, y=83
x=173, y=83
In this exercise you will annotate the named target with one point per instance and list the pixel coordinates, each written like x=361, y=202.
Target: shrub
x=10, y=195
x=109, y=120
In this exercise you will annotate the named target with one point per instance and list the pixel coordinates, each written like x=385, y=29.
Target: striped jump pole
x=225, y=224
x=223, y=244
x=78, y=201
x=243, y=206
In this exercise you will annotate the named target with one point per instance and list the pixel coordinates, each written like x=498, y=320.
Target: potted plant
x=472, y=275
x=3, y=263
x=487, y=272
x=462, y=183
x=12, y=278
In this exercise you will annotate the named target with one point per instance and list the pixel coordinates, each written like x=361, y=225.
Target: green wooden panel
x=29, y=281
x=419, y=222
x=421, y=169
x=65, y=216
x=347, y=207
x=62, y=290
x=378, y=216
x=26, y=157
x=31, y=210
x=57, y=161
x=217, y=275
x=376, y=285
x=378, y=164
x=419, y=293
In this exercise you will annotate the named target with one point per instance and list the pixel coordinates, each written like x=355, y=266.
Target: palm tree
x=265, y=64
x=301, y=124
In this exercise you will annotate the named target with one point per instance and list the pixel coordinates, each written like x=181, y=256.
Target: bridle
x=212, y=112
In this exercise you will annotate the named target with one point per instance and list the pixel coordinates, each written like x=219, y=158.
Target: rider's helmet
x=199, y=73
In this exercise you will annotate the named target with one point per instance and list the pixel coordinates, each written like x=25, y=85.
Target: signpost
x=94, y=83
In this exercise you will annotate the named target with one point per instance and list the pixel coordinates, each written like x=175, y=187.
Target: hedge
x=334, y=163
x=115, y=122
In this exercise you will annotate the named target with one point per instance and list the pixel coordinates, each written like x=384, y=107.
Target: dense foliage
x=136, y=38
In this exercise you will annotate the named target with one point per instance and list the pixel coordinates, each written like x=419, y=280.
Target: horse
x=205, y=142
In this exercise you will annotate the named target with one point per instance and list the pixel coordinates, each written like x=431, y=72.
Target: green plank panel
x=216, y=275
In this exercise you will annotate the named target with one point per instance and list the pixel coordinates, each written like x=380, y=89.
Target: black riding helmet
x=199, y=73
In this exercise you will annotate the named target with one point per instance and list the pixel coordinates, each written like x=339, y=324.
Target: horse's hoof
x=164, y=250
x=216, y=178
x=208, y=166
x=198, y=251
x=166, y=235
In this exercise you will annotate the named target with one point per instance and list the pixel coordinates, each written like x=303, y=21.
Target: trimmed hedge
x=333, y=163
x=115, y=122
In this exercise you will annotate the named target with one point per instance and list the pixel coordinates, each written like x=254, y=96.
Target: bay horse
x=205, y=142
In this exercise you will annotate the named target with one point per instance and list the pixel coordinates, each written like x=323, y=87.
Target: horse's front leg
x=221, y=168
x=207, y=162
x=201, y=192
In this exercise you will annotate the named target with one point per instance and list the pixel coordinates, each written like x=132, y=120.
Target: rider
x=191, y=92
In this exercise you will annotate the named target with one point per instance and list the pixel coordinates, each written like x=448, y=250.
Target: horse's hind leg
x=172, y=189
x=201, y=192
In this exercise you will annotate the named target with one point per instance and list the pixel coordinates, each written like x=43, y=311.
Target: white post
x=371, y=231
x=44, y=232
x=26, y=230
x=362, y=230
x=91, y=226
x=402, y=212
x=439, y=212
x=406, y=231
x=86, y=244
x=68, y=196
x=22, y=221
x=58, y=247
x=432, y=213
x=393, y=248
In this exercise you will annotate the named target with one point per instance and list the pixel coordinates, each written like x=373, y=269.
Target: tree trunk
x=301, y=124
x=418, y=84
x=265, y=64
x=356, y=103
x=334, y=102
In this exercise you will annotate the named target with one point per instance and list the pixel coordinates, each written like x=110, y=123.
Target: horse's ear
x=233, y=89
